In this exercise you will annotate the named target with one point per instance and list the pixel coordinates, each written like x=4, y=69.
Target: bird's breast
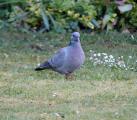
x=76, y=56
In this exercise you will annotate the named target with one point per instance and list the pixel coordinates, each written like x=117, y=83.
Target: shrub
x=68, y=15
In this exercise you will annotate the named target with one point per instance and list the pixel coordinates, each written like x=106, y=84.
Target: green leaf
x=44, y=16
x=4, y=2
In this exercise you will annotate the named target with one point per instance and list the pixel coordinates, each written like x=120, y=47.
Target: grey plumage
x=67, y=59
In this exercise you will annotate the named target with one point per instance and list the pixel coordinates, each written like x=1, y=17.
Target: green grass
x=98, y=93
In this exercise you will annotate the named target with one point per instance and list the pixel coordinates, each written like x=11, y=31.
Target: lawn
x=96, y=93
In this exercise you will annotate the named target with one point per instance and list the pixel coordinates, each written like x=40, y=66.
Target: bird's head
x=75, y=37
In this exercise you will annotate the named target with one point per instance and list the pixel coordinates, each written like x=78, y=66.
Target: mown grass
x=98, y=93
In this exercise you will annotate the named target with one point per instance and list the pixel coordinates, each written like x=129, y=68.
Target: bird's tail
x=43, y=66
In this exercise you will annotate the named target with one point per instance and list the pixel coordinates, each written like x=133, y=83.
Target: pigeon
x=67, y=59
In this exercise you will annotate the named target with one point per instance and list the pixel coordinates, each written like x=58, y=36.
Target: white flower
x=106, y=57
x=57, y=114
x=121, y=64
x=38, y=64
x=110, y=65
x=94, y=55
x=98, y=61
x=77, y=111
x=104, y=54
x=6, y=55
x=121, y=57
x=132, y=68
x=113, y=60
x=132, y=37
x=130, y=57
x=106, y=61
x=111, y=56
x=54, y=94
x=99, y=54
x=110, y=61
x=90, y=50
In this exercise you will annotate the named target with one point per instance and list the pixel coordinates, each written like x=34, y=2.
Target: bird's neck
x=75, y=44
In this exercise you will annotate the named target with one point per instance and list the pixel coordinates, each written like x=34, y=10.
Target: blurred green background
x=69, y=15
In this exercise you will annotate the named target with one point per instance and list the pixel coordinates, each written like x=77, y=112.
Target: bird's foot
x=70, y=77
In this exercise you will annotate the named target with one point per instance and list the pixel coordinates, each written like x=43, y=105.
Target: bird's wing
x=59, y=58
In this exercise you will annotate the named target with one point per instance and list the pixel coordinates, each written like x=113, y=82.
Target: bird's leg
x=66, y=76
x=69, y=76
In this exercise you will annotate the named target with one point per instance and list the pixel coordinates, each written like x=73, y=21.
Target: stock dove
x=67, y=59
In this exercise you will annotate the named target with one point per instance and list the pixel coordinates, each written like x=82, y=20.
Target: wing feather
x=58, y=59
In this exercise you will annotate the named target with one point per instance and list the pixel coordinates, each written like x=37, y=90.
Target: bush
x=68, y=15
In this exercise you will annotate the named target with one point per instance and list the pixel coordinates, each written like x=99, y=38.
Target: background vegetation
x=69, y=15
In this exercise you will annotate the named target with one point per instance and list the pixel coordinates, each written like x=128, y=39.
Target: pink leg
x=69, y=76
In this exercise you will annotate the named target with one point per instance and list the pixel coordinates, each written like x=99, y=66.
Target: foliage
x=67, y=15
x=133, y=16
